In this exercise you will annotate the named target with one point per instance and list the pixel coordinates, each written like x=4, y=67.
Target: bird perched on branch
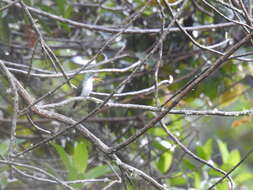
x=85, y=87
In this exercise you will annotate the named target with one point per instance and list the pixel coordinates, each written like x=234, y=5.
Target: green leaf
x=215, y=173
x=197, y=180
x=65, y=27
x=234, y=157
x=208, y=147
x=189, y=165
x=178, y=180
x=223, y=150
x=210, y=83
x=66, y=88
x=159, y=146
x=164, y=162
x=97, y=172
x=61, y=6
x=158, y=132
x=226, y=167
x=80, y=157
x=222, y=186
x=68, y=11
x=64, y=156
x=47, y=9
x=163, y=145
x=208, y=19
x=200, y=152
x=241, y=178
x=205, y=151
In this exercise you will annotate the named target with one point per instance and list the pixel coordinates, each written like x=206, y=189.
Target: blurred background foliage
x=220, y=140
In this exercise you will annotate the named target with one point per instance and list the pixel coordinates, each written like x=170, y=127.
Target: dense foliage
x=172, y=108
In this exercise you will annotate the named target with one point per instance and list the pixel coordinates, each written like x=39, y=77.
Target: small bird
x=85, y=87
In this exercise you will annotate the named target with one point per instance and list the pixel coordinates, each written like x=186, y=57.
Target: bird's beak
x=97, y=79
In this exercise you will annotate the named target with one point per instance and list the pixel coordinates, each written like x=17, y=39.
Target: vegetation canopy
x=171, y=109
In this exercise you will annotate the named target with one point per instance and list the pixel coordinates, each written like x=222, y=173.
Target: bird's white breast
x=87, y=88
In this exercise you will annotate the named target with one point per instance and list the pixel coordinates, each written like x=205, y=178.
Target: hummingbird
x=85, y=87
